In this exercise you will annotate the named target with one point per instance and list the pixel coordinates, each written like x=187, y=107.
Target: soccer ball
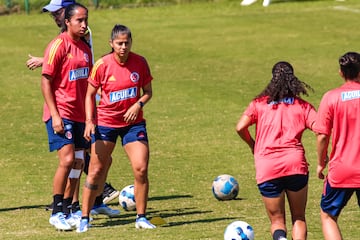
x=239, y=230
x=127, y=198
x=225, y=187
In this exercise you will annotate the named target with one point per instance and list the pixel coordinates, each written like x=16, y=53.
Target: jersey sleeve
x=251, y=112
x=96, y=74
x=311, y=116
x=53, y=57
x=147, y=73
x=323, y=122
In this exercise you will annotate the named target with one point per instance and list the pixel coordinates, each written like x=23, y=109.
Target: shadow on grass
x=164, y=214
x=23, y=207
x=160, y=198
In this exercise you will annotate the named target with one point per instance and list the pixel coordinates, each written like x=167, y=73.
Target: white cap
x=55, y=5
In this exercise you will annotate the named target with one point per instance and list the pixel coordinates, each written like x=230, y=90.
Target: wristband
x=141, y=104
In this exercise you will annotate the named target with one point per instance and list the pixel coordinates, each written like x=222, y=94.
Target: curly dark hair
x=284, y=84
x=350, y=65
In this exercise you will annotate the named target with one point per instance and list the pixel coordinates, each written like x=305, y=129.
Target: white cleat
x=104, y=209
x=266, y=3
x=59, y=222
x=247, y=2
x=143, y=223
x=73, y=220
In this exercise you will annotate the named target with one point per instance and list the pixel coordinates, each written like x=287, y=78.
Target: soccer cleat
x=73, y=220
x=104, y=209
x=84, y=226
x=78, y=213
x=247, y=2
x=109, y=193
x=266, y=3
x=143, y=223
x=59, y=222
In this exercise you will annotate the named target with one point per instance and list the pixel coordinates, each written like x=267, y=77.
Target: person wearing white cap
x=57, y=9
x=249, y=2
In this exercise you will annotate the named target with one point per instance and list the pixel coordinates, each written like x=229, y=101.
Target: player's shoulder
x=136, y=57
x=103, y=61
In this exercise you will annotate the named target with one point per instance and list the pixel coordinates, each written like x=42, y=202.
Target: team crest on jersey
x=134, y=77
x=123, y=94
x=86, y=57
x=69, y=56
x=79, y=73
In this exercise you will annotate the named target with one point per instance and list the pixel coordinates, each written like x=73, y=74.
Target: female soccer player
x=125, y=82
x=281, y=117
x=338, y=117
x=66, y=67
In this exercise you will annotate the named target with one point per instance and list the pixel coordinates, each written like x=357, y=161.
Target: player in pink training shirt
x=339, y=117
x=125, y=82
x=281, y=117
x=66, y=67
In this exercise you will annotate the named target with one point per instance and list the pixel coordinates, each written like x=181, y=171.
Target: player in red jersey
x=339, y=117
x=57, y=10
x=281, y=117
x=66, y=67
x=125, y=82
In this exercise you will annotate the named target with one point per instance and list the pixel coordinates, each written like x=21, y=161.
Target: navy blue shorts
x=136, y=132
x=333, y=200
x=73, y=134
x=273, y=188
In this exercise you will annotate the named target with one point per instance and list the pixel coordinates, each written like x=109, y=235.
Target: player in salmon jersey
x=281, y=117
x=339, y=117
x=66, y=67
x=125, y=81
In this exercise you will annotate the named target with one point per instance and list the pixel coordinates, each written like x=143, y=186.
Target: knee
x=141, y=174
x=67, y=162
x=96, y=172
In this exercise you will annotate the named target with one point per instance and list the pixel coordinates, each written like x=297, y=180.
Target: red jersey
x=68, y=63
x=278, y=150
x=120, y=87
x=339, y=116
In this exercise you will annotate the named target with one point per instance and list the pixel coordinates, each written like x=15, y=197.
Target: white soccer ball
x=127, y=198
x=225, y=187
x=239, y=230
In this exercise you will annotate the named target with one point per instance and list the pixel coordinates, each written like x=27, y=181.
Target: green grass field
x=208, y=61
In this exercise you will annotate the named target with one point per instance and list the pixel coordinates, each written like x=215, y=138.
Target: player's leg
x=135, y=143
x=273, y=197
x=275, y=209
x=333, y=200
x=109, y=193
x=138, y=154
x=99, y=206
x=72, y=189
x=330, y=227
x=297, y=203
x=297, y=190
x=98, y=167
x=66, y=161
